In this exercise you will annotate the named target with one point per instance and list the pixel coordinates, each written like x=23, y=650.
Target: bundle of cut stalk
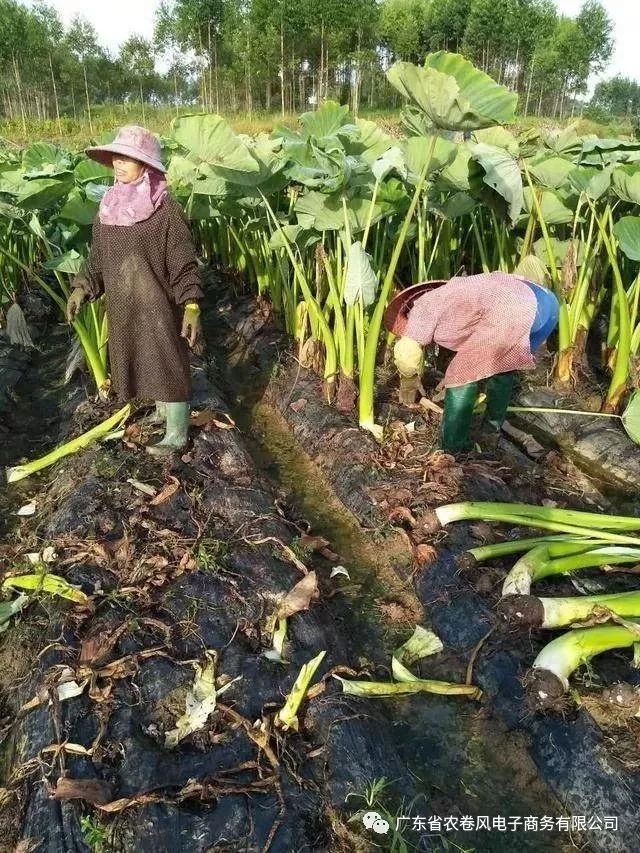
x=19, y=472
x=586, y=540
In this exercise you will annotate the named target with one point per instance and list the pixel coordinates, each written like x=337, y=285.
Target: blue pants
x=546, y=318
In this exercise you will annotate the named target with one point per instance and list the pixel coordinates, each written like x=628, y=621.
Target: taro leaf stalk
x=90, y=326
x=620, y=303
x=585, y=524
x=101, y=431
x=287, y=716
x=551, y=613
x=368, y=367
x=315, y=311
x=562, y=558
x=627, y=233
x=630, y=418
x=564, y=335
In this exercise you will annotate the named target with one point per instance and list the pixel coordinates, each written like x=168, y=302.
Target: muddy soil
x=587, y=757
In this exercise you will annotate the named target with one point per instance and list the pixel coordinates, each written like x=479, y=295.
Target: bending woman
x=143, y=258
x=494, y=323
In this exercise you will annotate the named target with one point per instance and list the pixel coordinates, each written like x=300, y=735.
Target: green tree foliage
x=292, y=54
x=401, y=28
x=617, y=97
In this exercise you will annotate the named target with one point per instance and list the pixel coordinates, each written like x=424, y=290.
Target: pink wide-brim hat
x=132, y=141
x=396, y=315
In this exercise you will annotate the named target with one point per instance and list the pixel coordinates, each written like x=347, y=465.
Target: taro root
x=548, y=681
x=467, y=562
x=525, y=610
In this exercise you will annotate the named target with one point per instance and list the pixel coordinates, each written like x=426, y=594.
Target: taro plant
x=452, y=95
x=53, y=198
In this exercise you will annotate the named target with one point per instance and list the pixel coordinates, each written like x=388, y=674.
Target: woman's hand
x=74, y=303
x=192, y=327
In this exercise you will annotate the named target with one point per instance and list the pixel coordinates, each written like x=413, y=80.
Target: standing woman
x=143, y=258
x=494, y=323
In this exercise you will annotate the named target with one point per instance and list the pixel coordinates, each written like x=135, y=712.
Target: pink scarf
x=126, y=204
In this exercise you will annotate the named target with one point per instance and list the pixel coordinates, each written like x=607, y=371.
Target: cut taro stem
x=73, y=446
x=536, y=516
x=540, y=563
x=532, y=612
x=518, y=546
x=549, y=679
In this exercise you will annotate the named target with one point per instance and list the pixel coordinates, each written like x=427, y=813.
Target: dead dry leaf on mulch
x=391, y=496
x=208, y=418
x=94, y=650
x=28, y=845
x=168, y=492
x=300, y=597
x=484, y=532
x=312, y=544
x=92, y=791
x=402, y=515
x=442, y=478
x=133, y=436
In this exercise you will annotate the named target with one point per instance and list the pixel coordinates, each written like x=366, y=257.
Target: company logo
x=374, y=821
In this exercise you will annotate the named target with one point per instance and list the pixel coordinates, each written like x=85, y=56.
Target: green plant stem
x=368, y=367
x=331, y=357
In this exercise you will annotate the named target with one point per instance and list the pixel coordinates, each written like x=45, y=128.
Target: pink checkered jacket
x=485, y=319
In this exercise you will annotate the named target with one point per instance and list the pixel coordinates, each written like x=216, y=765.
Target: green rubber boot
x=158, y=416
x=499, y=392
x=177, y=431
x=456, y=421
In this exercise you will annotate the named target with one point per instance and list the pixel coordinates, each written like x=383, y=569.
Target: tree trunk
x=144, y=117
x=73, y=102
x=248, y=93
x=282, y=66
x=292, y=88
x=267, y=95
x=203, y=77
x=86, y=90
x=217, y=79
x=210, y=71
x=562, y=97
x=355, y=79
x=19, y=89
x=175, y=91
x=326, y=70
x=320, y=88
x=526, y=106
